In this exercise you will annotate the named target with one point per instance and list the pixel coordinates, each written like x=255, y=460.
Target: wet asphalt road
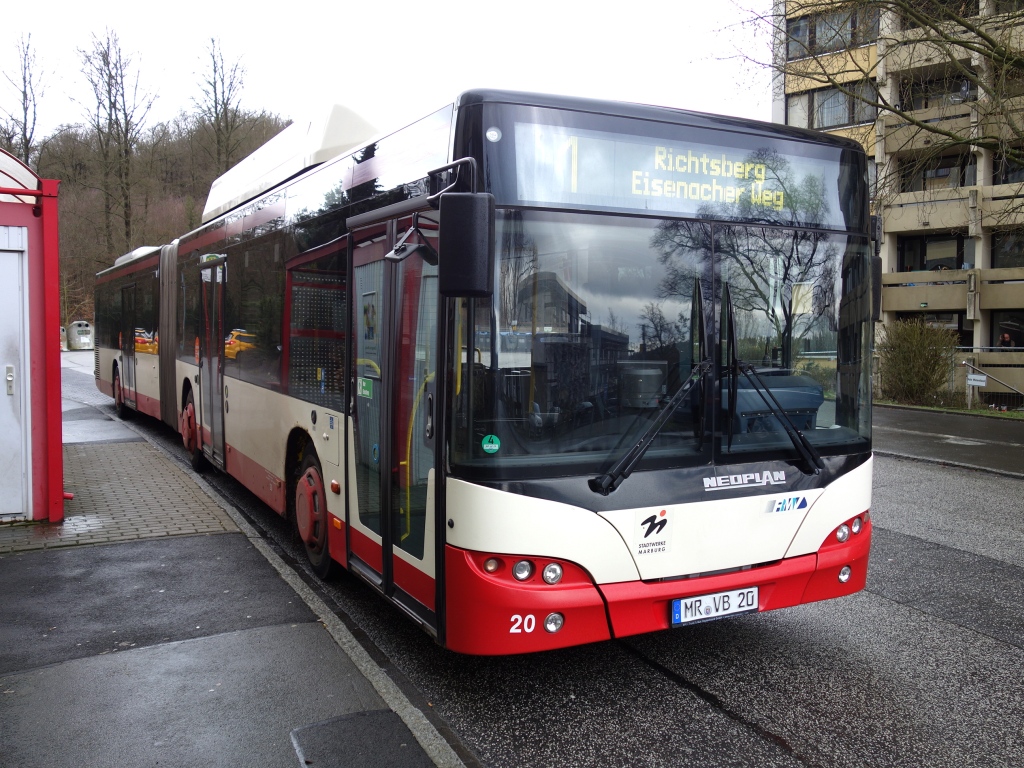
x=923, y=668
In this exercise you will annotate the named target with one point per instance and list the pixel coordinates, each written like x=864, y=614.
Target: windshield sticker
x=490, y=444
x=748, y=480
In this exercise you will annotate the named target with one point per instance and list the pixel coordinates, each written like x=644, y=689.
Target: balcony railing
x=953, y=290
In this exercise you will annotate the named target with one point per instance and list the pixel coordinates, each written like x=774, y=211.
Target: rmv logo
x=793, y=502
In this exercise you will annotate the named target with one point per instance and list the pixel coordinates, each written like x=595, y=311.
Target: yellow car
x=238, y=341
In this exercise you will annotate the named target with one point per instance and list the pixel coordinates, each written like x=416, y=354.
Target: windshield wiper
x=803, y=445
x=608, y=482
x=807, y=451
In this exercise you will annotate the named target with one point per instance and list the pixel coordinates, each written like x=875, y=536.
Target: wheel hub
x=310, y=507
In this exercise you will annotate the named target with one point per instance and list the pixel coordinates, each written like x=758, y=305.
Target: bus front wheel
x=311, y=516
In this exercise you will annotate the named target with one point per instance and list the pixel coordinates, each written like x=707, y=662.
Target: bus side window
x=317, y=327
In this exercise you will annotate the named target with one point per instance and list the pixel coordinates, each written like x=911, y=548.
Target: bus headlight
x=522, y=570
x=844, y=574
x=552, y=573
x=855, y=525
x=553, y=622
x=843, y=532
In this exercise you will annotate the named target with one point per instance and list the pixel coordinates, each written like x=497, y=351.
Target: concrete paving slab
x=378, y=739
x=228, y=700
x=99, y=600
x=91, y=430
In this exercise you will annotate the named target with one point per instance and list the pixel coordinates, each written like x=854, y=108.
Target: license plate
x=84, y=333
x=693, y=610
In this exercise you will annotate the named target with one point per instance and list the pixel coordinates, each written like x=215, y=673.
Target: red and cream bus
x=542, y=371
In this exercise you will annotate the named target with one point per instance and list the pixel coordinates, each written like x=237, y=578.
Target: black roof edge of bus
x=651, y=112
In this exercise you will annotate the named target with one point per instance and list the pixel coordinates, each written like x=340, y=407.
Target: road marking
x=948, y=438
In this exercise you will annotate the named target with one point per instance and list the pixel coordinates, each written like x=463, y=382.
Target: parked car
x=237, y=341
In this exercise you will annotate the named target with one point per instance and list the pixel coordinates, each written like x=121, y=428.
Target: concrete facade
x=952, y=213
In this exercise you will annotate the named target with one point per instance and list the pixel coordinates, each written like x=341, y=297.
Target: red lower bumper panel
x=490, y=611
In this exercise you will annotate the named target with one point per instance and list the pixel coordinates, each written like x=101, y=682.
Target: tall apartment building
x=951, y=212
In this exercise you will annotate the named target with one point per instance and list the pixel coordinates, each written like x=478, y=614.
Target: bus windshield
x=597, y=320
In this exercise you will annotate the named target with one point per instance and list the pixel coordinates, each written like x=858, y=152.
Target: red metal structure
x=29, y=245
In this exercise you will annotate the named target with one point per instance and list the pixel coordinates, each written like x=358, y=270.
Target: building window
x=1007, y=250
x=938, y=92
x=1007, y=171
x=829, y=32
x=833, y=107
x=1008, y=328
x=798, y=33
x=797, y=113
x=940, y=10
x=832, y=32
x=928, y=174
x=1008, y=6
x=935, y=253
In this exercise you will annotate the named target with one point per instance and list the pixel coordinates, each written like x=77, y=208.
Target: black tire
x=195, y=457
x=309, y=514
x=120, y=408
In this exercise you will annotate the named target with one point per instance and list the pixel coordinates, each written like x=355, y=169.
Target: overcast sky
x=393, y=60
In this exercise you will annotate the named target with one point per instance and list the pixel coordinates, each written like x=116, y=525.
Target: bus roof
x=297, y=148
x=651, y=112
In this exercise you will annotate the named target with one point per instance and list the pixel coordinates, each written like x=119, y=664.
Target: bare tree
x=219, y=110
x=117, y=118
x=18, y=127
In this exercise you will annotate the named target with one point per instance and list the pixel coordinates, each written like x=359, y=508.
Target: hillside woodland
x=126, y=180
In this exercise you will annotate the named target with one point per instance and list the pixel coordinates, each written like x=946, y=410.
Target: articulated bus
x=542, y=371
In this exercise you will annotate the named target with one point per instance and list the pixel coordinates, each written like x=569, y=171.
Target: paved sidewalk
x=122, y=492
x=155, y=627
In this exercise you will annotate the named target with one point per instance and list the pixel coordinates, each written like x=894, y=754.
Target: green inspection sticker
x=490, y=444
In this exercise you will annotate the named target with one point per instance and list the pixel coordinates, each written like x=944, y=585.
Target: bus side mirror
x=466, y=245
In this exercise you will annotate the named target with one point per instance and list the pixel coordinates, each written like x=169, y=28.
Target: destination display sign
x=583, y=168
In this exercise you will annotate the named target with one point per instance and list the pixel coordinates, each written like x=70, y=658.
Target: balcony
x=1000, y=288
x=921, y=211
x=957, y=290
x=1002, y=205
x=944, y=291
x=901, y=136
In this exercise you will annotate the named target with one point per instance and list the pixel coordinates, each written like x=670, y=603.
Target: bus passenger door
x=393, y=407
x=211, y=362
x=127, y=339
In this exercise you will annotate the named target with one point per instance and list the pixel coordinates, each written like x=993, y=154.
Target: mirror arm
x=468, y=162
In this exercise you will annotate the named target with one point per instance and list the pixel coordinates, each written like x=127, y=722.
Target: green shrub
x=915, y=362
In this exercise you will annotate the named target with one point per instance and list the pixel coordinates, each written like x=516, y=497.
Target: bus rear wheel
x=189, y=434
x=311, y=516
x=120, y=408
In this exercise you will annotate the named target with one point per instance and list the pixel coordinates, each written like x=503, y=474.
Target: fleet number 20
x=521, y=624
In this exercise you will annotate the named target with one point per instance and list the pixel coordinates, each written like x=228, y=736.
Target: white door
x=14, y=413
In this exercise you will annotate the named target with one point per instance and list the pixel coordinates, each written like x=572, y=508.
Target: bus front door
x=211, y=362
x=126, y=366
x=394, y=407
